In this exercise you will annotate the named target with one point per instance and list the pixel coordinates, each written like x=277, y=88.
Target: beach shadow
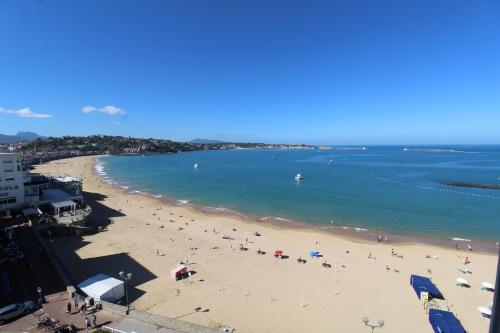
x=79, y=269
x=101, y=215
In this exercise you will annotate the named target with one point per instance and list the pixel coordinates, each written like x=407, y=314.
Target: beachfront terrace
x=76, y=216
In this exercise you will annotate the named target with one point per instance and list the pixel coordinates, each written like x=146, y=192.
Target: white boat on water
x=331, y=160
x=195, y=166
x=299, y=177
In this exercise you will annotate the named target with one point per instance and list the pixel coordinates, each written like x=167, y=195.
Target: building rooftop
x=55, y=195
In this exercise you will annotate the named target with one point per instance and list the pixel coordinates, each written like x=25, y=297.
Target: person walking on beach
x=94, y=320
x=68, y=307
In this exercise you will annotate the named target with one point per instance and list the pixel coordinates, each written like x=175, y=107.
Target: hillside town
x=44, y=149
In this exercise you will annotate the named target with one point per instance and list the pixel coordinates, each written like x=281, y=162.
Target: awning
x=420, y=284
x=444, y=322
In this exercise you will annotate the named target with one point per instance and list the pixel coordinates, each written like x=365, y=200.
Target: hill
x=205, y=141
x=19, y=137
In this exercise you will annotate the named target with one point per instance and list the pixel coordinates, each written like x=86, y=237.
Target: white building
x=12, y=180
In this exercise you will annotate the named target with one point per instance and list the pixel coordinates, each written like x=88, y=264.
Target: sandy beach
x=259, y=293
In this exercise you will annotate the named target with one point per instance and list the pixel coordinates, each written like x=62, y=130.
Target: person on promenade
x=82, y=309
x=94, y=320
x=75, y=303
x=68, y=307
x=87, y=323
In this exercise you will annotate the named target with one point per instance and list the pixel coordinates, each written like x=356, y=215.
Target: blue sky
x=333, y=72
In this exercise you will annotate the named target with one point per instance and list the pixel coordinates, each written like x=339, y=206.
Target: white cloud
x=88, y=109
x=108, y=109
x=24, y=113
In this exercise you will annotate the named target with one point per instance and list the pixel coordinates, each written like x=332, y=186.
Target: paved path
x=55, y=308
x=129, y=325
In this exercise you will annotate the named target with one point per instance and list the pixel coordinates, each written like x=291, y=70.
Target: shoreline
x=352, y=233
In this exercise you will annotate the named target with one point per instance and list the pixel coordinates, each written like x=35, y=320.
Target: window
x=8, y=179
x=7, y=201
x=8, y=161
x=8, y=170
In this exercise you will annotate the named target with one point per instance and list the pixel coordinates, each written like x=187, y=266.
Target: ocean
x=384, y=188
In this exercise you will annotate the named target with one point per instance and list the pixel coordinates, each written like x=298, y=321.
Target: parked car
x=15, y=310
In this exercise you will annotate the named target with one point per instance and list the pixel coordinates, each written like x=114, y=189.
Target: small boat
x=195, y=166
x=299, y=177
x=331, y=161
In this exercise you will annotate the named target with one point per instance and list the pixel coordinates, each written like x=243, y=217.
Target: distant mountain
x=205, y=141
x=20, y=136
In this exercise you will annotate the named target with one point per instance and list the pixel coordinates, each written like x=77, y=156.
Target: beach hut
x=103, y=287
x=424, y=284
x=177, y=272
x=444, y=321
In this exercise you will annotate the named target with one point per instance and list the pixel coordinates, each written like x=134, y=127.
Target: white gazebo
x=63, y=204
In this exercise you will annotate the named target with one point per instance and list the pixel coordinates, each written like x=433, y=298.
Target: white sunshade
x=462, y=281
x=488, y=285
x=103, y=287
x=484, y=310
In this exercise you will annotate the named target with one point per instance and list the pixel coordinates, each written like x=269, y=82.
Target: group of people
x=90, y=321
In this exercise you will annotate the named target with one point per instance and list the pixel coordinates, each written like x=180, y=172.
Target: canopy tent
x=177, y=272
x=421, y=283
x=444, y=322
x=103, y=287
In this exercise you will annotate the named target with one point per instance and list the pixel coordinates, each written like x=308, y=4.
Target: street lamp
x=126, y=277
x=365, y=321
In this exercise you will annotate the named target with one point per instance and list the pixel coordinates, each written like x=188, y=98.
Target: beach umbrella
x=278, y=252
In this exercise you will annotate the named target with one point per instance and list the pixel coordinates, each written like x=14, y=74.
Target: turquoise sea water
x=381, y=188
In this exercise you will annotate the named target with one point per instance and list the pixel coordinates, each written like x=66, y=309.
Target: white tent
x=103, y=287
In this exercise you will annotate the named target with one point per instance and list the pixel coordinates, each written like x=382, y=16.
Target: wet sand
x=259, y=293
